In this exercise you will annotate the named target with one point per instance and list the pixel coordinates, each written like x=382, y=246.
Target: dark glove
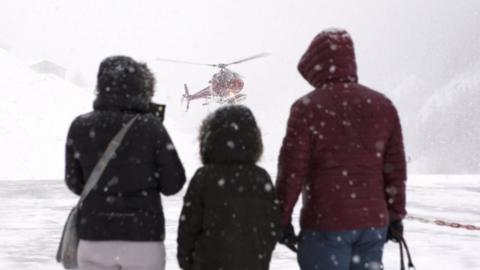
x=395, y=231
x=288, y=238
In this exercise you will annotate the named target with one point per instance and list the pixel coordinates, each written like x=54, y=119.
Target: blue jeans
x=342, y=250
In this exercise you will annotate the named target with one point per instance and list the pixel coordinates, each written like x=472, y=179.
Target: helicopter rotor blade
x=248, y=59
x=184, y=62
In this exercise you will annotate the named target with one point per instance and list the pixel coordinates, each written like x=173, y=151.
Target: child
x=230, y=216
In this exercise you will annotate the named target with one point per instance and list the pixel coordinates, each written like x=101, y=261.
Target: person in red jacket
x=343, y=150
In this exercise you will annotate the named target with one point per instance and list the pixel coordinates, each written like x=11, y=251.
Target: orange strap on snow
x=445, y=223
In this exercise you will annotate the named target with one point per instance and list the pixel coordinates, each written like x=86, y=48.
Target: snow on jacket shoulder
x=343, y=146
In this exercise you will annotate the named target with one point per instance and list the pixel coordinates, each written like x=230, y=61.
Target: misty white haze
x=412, y=51
x=424, y=55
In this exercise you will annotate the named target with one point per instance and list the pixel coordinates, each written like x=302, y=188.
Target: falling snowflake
x=332, y=69
x=234, y=125
x=110, y=199
x=113, y=181
x=231, y=144
x=170, y=147
x=356, y=259
x=379, y=145
x=306, y=100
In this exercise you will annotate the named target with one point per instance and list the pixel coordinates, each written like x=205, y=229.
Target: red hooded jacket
x=343, y=148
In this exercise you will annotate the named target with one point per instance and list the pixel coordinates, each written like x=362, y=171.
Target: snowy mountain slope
x=447, y=127
x=35, y=114
x=458, y=91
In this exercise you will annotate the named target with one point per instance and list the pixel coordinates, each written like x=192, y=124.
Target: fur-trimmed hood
x=230, y=135
x=124, y=84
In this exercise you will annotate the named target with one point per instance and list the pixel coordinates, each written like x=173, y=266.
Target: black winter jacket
x=126, y=204
x=230, y=217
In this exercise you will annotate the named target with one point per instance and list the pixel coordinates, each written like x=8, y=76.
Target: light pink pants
x=121, y=255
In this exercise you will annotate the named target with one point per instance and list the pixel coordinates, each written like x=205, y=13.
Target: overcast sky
x=79, y=34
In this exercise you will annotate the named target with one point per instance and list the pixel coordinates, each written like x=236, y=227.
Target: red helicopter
x=225, y=85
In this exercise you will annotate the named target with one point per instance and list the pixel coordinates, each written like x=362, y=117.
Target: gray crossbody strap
x=104, y=160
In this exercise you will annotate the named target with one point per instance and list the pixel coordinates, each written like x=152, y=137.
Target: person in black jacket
x=121, y=221
x=230, y=215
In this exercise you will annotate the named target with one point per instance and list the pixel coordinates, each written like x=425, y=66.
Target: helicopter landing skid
x=236, y=99
x=230, y=101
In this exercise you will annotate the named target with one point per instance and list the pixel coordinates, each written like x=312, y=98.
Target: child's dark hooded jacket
x=229, y=218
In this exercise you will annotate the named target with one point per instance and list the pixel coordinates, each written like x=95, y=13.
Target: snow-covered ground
x=32, y=214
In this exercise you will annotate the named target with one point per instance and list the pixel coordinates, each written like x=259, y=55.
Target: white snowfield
x=32, y=214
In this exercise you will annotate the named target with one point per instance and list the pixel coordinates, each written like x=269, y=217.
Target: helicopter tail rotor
x=186, y=96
